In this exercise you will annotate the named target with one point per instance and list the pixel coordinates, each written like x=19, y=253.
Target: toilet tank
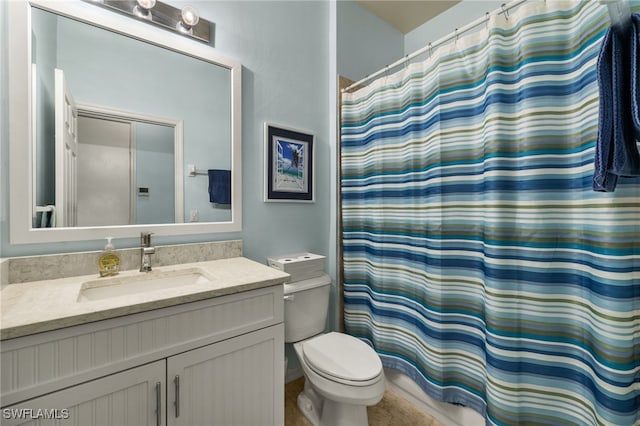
x=306, y=306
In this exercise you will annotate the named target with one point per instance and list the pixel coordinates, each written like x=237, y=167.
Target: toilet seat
x=342, y=358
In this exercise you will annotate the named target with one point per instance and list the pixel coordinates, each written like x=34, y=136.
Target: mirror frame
x=21, y=146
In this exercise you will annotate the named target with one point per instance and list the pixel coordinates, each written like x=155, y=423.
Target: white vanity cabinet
x=217, y=361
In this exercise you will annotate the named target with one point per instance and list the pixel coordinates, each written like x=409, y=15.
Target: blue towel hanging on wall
x=220, y=186
x=619, y=120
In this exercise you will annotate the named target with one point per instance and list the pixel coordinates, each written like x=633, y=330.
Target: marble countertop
x=38, y=306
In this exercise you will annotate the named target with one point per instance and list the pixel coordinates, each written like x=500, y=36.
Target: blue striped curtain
x=477, y=258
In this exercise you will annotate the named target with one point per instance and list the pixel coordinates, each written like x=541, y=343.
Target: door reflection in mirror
x=116, y=158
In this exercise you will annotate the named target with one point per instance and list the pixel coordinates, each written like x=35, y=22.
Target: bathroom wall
x=365, y=42
x=44, y=54
x=287, y=79
x=456, y=17
x=154, y=170
x=284, y=49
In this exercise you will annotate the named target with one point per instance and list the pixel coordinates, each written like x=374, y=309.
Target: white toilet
x=342, y=374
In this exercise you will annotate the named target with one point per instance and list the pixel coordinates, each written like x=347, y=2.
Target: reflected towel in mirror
x=220, y=186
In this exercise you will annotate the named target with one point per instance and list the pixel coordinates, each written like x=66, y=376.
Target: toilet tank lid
x=296, y=286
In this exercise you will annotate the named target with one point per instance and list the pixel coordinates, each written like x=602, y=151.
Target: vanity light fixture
x=185, y=21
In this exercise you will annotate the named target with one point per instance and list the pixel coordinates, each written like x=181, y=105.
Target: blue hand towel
x=603, y=179
x=616, y=149
x=220, y=186
x=635, y=73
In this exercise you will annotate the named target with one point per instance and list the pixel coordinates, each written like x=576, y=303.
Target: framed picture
x=289, y=165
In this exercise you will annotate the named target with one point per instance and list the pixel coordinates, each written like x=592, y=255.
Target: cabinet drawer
x=42, y=363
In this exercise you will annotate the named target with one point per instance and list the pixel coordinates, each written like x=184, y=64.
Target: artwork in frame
x=289, y=164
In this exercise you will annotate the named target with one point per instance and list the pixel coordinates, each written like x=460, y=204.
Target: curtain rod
x=504, y=9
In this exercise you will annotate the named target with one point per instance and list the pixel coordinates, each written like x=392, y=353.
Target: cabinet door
x=127, y=398
x=235, y=382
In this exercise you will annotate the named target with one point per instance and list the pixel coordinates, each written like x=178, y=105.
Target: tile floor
x=391, y=411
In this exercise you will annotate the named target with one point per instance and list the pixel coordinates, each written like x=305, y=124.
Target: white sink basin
x=145, y=282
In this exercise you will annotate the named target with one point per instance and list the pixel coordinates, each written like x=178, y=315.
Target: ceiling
x=406, y=15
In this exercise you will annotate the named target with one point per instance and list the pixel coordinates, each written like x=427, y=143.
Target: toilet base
x=325, y=412
x=310, y=404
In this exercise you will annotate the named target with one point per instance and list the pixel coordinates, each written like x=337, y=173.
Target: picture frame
x=289, y=164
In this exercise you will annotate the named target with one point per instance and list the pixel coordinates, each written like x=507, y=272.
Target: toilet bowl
x=343, y=375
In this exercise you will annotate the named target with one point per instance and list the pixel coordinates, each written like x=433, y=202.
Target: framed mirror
x=141, y=108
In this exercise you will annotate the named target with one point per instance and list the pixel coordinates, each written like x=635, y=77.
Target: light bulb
x=142, y=8
x=146, y=4
x=190, y=16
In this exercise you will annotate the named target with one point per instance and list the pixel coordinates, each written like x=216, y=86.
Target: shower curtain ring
x=486, y=21
x=456, y=31
x=430, y=49
x=406, y=61
x=505, y=11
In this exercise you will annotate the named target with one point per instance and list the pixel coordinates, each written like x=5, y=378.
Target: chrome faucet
x=146, y=251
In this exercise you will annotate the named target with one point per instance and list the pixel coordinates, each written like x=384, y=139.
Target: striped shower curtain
x=477, y=258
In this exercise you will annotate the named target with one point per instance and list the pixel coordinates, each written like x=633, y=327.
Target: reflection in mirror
x=129, y=171
x=116, y=64
x=121, y=161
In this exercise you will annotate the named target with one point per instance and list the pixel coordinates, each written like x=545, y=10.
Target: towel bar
x=193, y=171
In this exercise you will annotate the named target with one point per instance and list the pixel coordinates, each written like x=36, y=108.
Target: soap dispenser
x=109, y=261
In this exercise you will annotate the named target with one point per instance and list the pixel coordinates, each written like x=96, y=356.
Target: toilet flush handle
x=290, y=297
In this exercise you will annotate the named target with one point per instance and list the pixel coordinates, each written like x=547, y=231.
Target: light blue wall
x=365, y=42
x=284, y=49
x=44, y=52
x=154, y=170
x=456, y=17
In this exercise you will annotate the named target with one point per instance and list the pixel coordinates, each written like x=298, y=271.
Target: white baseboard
x=447, y=414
